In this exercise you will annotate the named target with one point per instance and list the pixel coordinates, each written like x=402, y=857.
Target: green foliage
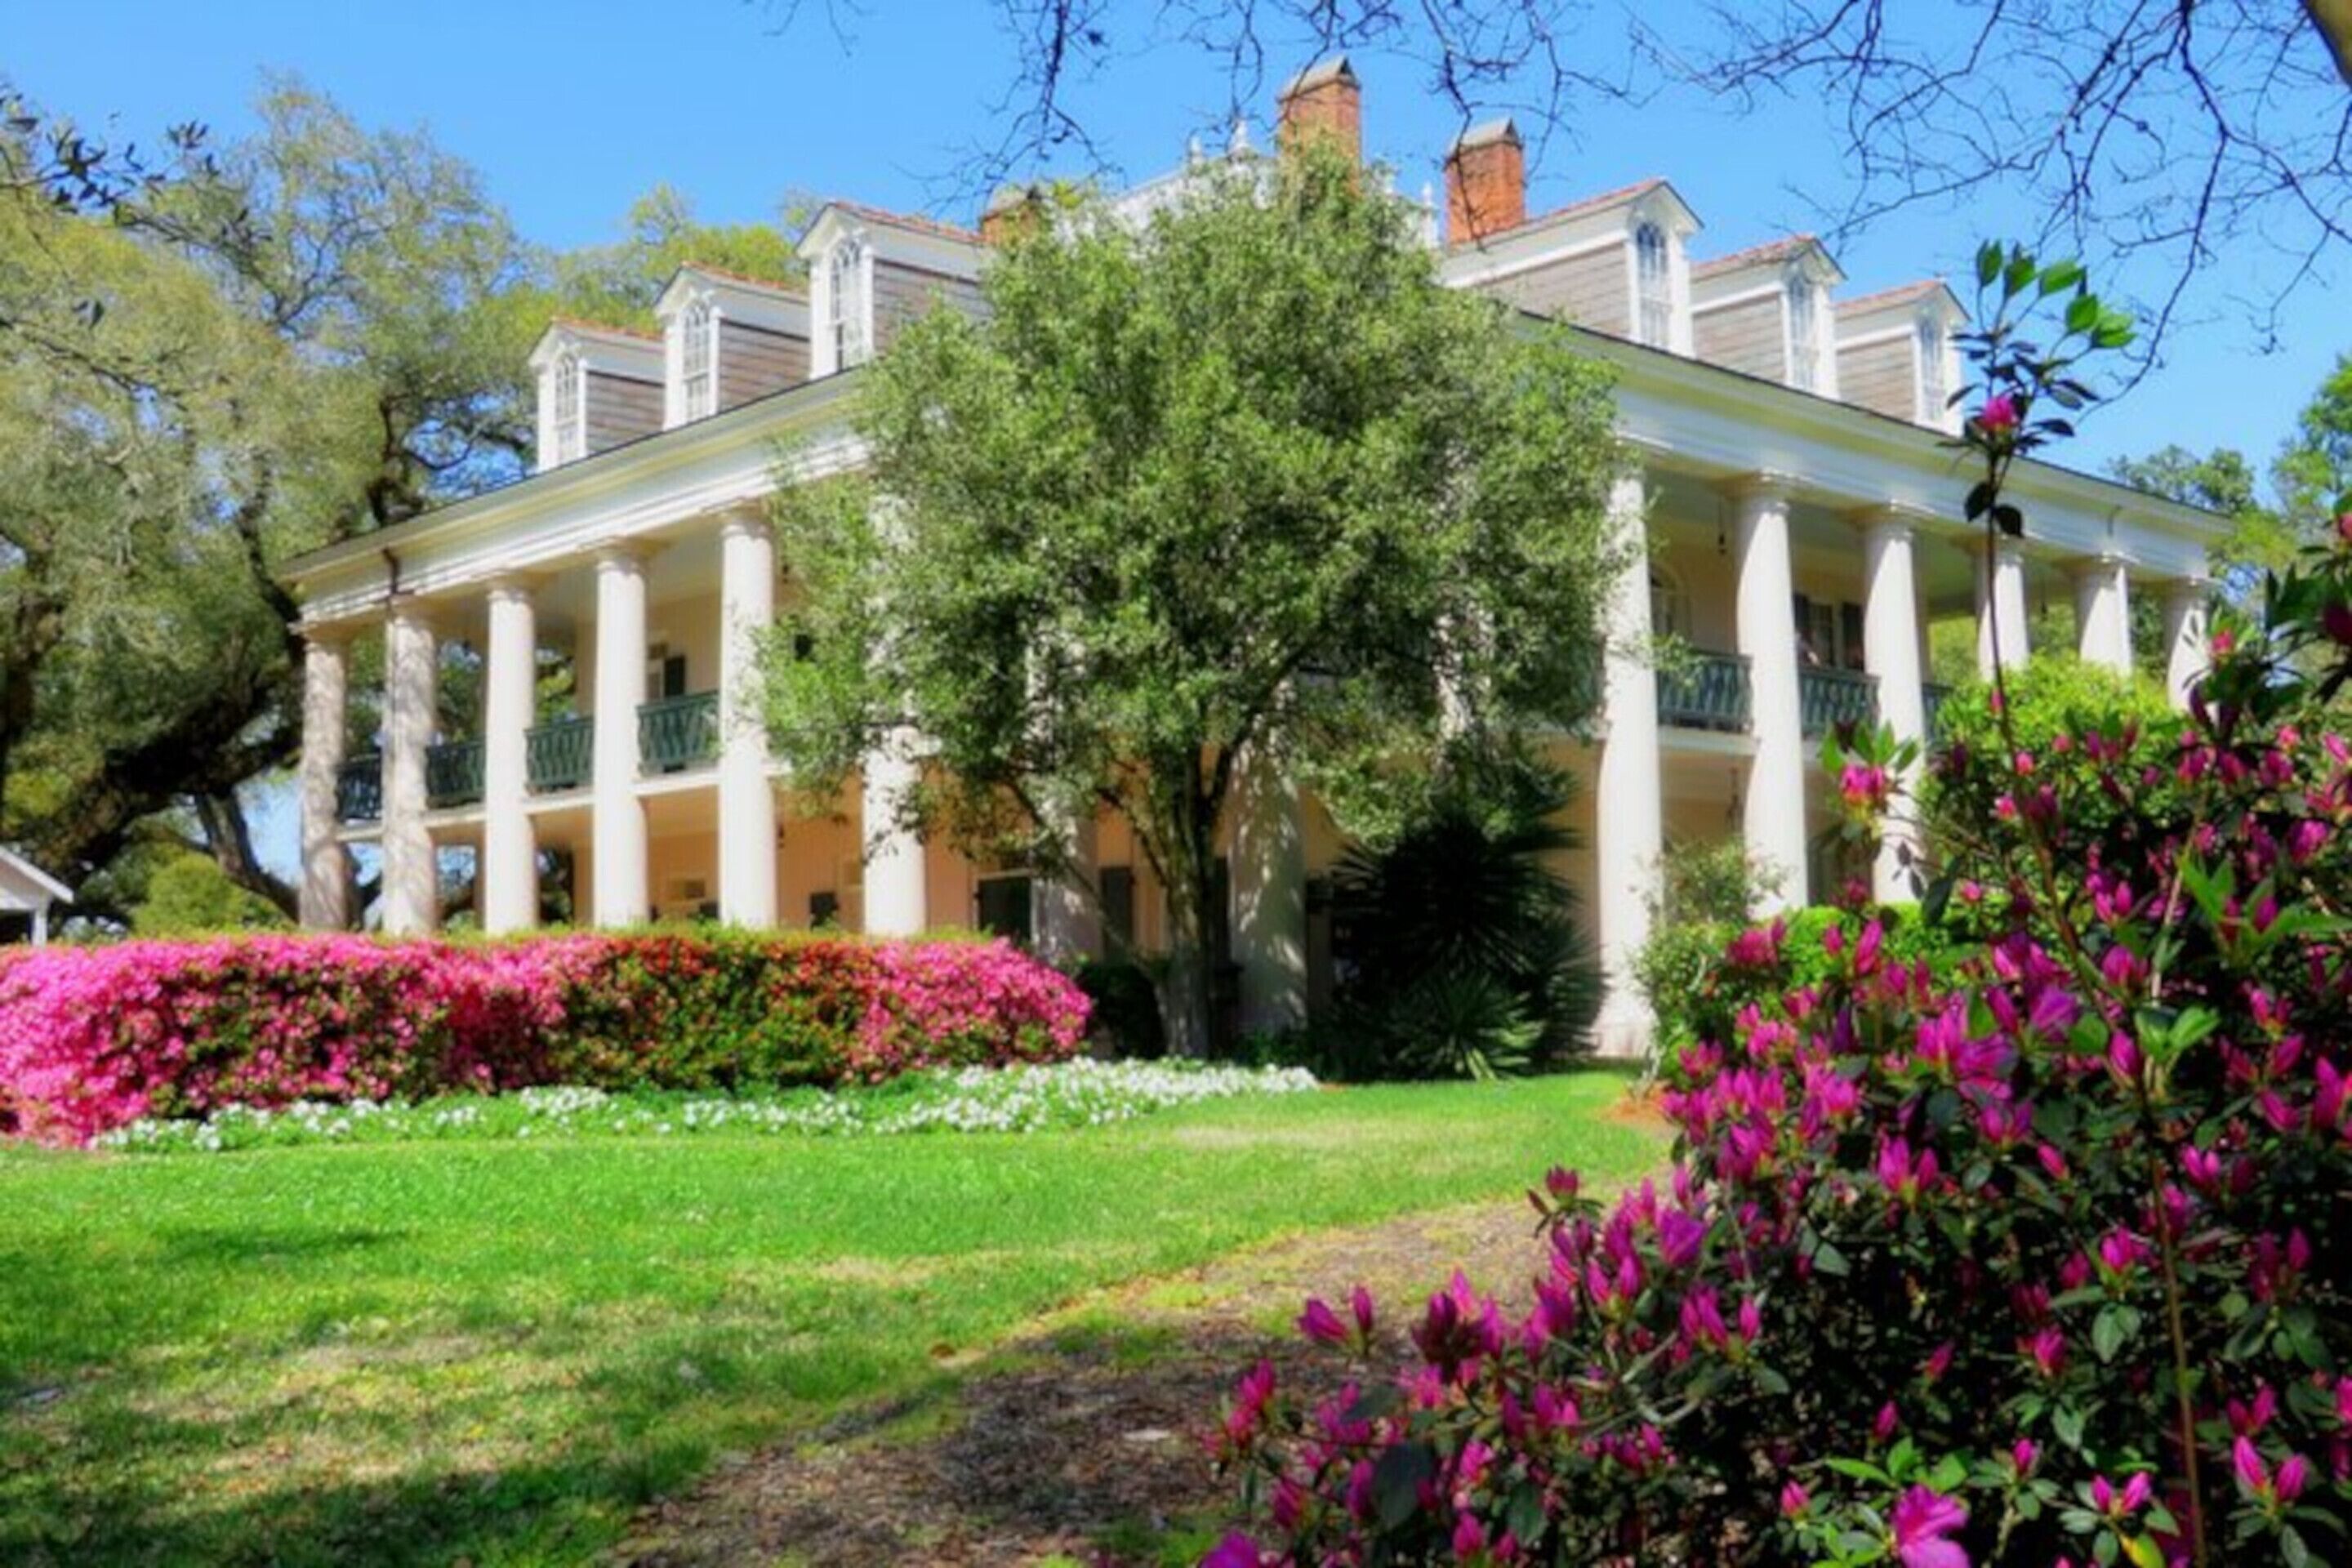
x=1469, y=958
x=1244, y=478
x=189, y=895
x=1708, y=892
x=618, y=284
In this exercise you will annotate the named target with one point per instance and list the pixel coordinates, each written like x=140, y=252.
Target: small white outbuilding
x=26, y=889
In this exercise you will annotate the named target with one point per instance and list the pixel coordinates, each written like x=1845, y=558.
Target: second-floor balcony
x=560, y=754
x=1703, y=690
x=673, y=733
x=677, y=732
x=1827, y=697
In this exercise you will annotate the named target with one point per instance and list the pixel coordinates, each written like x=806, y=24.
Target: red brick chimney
x=1324, y=101
x=1011, y=211
x=1486, y=183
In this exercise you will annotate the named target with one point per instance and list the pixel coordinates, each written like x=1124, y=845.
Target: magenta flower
x=1320, y=1324
x=1236, y=1550
x=1999, y=415
x=1923, y=1520
x=1794, y=1500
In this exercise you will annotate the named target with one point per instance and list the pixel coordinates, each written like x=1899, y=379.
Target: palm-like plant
x=1463, y=927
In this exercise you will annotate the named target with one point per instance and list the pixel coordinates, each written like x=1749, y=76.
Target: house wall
x=754, y=362
x=1747, y=336
x=902, y=293
x=621, y=409
x=1881, y=375
x=1593, y=290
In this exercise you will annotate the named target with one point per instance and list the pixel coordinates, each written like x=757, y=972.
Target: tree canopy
x=1240, y=479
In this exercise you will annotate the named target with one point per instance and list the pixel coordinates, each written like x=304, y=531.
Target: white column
x=2184, y=604
x=509, y=868
x=1774, y=811
x=1068, y=921
x=1269, y=895
x=2103, y=614
x=747, y=803
x=898, y=901
x=1629, y=839
x=40, y=925
x=1890, y=651
x=326, y=863
x=2001, y=607
x=617, y=837
x=412, y=881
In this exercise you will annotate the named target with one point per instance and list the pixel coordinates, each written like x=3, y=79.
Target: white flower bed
x=1082, y=1094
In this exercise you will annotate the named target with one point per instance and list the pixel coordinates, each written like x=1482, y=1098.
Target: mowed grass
x=495, y=1352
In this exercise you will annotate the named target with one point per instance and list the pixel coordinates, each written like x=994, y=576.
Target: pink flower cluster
x=92, y=1038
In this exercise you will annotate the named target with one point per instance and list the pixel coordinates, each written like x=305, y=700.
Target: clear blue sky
x=572, y=110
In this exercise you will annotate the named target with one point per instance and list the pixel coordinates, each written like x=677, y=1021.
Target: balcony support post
x=2001, y=607
x=1890, y=650
x=2103, y=614
x=326, y=891
x=1630, y=835
x=412, y=880
x=1773, y=813
x=617, y=835
x=747, y=803
x=510, y=865
x=2184, y=604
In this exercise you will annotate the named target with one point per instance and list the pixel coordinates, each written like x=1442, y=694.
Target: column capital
x=512, y=583
x=1763, y=485
x=410, y=610
x=2094, y=566
x=2189, y=588
x=1893, y=517
x=746, y=521
x=624, y=552
x=327, y=635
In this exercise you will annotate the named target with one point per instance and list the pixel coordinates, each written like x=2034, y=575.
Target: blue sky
x=571, y=111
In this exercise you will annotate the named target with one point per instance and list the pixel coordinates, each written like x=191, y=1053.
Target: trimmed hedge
x=92, y=1038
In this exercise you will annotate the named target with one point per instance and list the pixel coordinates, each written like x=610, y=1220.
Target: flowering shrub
x=2031, y=1263
x=1038, y=1098
x=94, y=1038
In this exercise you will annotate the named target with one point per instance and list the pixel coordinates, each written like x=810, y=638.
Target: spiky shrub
x=2031, y=1263
x=1471, y=961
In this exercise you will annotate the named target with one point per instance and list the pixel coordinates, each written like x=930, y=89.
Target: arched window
x=1804, y=333
x=695, y=360
x=571, y=438
x=1932, y=390
x=845, y=285
x=1653, y=287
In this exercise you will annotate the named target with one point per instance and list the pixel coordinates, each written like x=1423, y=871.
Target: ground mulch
x=1076, y=1441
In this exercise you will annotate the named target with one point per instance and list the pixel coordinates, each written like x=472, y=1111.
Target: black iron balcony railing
x=1704, y=691
x=679, y=731
x=359, y=789
x=453, y=774
x=1932, y=696
x=1828, y=698
x=560, y=754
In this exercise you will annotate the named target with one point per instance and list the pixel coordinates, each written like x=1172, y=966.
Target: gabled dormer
x=1617, y=263
x=1896, y=353
x=728, y=339
x=870, y=271
x=598, y=386
x=1767, y=313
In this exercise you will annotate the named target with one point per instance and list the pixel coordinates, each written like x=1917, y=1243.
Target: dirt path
x=1077, y=1441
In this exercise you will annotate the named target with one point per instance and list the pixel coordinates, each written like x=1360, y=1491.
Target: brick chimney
x=1486, y=183
x=1323, y=101
x=1011, y=211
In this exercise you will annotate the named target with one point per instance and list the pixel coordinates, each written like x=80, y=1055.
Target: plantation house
x=1793, y=486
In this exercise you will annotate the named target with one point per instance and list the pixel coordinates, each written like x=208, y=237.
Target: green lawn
x=495, y=1350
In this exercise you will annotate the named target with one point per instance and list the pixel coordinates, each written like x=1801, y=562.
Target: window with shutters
x=846, y=307
x=571, y=432
x=1932, y=388
x=1654, y=285
x=1119, y=906
x=697, y=355
x=1804, y=334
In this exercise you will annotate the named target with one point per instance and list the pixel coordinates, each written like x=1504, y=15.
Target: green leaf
x=1396, y=1481
x=2060, y=275
x=1988, y=264
x=2082, y=314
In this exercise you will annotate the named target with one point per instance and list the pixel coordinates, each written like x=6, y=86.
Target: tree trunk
x=1187, y=989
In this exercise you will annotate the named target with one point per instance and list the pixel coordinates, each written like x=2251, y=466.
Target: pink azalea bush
x=2028, y=1259
x=92, y=1038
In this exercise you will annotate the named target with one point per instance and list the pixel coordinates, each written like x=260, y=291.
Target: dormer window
x=1653, y=287
x=846, y=311
x=1932, y=390
x=700, y=385
x=571, y=430
x=1804, y=333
